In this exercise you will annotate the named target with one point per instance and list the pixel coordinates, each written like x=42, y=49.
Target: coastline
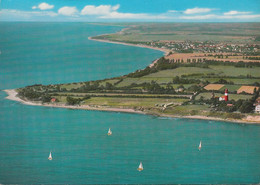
x=165, y=51
x=12, y=95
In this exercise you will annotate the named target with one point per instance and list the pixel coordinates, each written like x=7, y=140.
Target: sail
x=50, y=157
x=140, y=166
x=109, y=131
x=200, y=145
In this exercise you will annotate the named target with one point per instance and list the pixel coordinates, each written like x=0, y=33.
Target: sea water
x=82, y=151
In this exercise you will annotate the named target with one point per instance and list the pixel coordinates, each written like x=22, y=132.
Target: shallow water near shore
x=82, y=151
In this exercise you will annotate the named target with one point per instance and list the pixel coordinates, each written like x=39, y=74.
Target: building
x=257, y=108
x=225, y=97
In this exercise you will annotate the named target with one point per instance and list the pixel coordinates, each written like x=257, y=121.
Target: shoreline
x=165, y=51
x=12, y=95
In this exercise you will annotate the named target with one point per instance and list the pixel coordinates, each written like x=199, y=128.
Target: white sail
x=50, y=157
x=140, y=168
x=200, y=145
x=109, y=132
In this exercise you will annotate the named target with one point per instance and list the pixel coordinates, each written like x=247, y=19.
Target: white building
x=257, y=108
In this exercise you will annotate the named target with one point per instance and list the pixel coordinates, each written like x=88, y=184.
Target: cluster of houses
x=204, y=47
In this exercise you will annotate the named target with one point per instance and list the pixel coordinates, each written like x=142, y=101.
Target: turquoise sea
x=82, y=152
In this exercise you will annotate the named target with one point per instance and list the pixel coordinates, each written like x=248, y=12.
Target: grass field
x=236, y=71
x=71, y=86
x=188, y=110
x=120, y=95
x=231, y=96
x=112, y=81
x=230, y=88
x=170, y=73
x=130, y=102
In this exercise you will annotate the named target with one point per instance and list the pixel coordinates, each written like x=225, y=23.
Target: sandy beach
x=12, y=95
x=166, y=51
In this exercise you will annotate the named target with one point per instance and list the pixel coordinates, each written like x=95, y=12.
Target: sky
x=131, y=10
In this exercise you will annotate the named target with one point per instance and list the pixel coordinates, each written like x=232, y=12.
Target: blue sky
x=131, y=10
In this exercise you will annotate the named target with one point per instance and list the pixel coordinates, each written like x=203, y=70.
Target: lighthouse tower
x=226, y=95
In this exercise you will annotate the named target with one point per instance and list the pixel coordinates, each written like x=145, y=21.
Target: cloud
x=68, y=11
x=99, y=10
x=222, y=17
x=43, y=6
x=25, y=14
x=237, y=17
x=111, y=12
x=234, y=12
x=172, y=11
x=197, y=10
x=198, y=17
x=118, y=15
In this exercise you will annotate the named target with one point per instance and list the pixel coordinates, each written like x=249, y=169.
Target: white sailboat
x=50, y=157
x=140, y=167
x=109, y=132
x=199, y=145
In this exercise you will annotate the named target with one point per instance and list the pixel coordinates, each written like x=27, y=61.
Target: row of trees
x=180, y=80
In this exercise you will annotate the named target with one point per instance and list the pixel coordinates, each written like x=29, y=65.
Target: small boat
x=50, y=157
x=109, y=132
x=140, y=167
x=199, y=145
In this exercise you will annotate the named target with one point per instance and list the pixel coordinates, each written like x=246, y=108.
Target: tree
x=73, y=101
x=109, y=86
x=246, y=107
x=46, y=98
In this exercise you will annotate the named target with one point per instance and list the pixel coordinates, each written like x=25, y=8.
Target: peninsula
x=212, y=74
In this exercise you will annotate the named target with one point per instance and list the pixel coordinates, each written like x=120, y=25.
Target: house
x=257, y=101
x=222, y=98
x=53, y=100
x=180, y=89
x=257, y=108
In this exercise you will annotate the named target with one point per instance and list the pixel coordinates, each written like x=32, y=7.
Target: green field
x=170, y=73
x=231, y=96
x=130, y=102
x=236, y=71
x=230, y=88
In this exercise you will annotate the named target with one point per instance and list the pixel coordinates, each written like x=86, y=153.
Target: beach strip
x=12, y=95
